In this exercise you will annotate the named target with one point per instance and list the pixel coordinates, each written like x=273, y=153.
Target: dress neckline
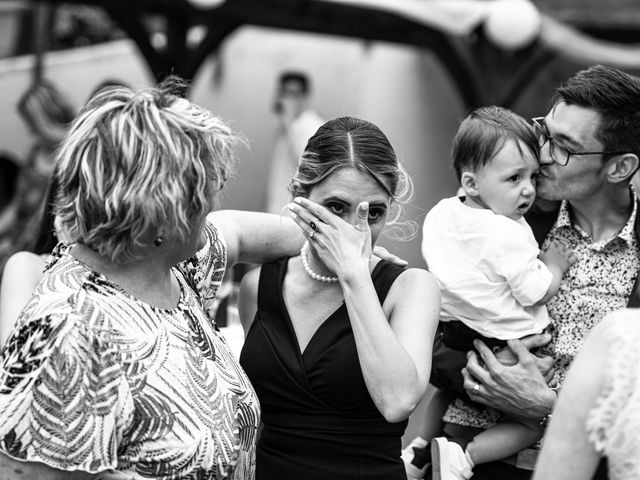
x=325, y=323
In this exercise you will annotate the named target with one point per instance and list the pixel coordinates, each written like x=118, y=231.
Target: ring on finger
x=311, y=234
x=476, y=388
x=313, y=225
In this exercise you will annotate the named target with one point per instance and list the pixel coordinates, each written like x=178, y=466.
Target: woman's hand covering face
x=339, y=244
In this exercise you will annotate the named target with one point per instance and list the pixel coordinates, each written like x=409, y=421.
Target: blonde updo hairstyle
x=356, y=143
x=139, y=164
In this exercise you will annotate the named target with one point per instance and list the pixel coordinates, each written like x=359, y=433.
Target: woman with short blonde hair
x=115, y=368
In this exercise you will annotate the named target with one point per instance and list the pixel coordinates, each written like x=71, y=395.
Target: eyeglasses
x=560, y=153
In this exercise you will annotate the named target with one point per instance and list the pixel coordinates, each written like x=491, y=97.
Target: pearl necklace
x=307, y=268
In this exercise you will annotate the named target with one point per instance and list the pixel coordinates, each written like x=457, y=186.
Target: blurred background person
x=598, y=410
x=48, y=112
x=297, y=122
x=338, y=343
x=25, y=268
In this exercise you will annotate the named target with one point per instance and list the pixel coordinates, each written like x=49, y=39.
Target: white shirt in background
x=286, y=155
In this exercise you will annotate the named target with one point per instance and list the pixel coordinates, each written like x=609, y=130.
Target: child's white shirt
x=488, y=269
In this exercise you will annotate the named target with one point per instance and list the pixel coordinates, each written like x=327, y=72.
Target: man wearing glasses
x=590, y=149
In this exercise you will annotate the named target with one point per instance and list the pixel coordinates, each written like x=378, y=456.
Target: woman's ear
x=622, y=167
x=469, y=184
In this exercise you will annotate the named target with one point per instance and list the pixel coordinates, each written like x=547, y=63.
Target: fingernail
x=292, y=206
x=297, y=200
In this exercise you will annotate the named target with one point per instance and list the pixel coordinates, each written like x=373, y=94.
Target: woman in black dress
x=338, y=343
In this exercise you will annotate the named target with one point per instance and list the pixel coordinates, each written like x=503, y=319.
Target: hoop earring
x=158, y=241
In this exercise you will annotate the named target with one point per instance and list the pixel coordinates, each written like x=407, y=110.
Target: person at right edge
x=590, y=149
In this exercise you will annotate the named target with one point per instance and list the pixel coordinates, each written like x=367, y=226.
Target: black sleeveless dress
x=319, y=421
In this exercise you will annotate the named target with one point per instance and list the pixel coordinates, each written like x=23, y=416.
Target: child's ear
x=469, y=184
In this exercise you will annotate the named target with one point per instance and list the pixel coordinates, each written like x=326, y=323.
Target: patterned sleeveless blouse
x=93, y=379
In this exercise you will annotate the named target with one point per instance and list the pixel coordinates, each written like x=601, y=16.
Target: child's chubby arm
x=557, y=258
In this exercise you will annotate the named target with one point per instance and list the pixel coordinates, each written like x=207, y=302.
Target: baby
x=493, y=278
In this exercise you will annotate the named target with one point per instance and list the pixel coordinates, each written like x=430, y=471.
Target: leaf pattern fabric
x=93, y=379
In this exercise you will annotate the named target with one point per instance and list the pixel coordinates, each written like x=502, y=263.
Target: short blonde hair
x=140, y=164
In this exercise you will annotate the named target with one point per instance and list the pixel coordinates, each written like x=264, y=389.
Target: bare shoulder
x=26, y=259
x=413, y=305
x=25, y=266
x=416, y=278
x=415, y=287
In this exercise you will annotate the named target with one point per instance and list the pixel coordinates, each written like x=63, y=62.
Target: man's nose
x=545, y=154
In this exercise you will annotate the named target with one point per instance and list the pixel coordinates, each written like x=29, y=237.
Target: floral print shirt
x=93, y=379
x=599, y=282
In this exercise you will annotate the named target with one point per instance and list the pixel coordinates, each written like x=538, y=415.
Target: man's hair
x=484, y=132
x=293, y=76
x=138, y=164
x=615, y=96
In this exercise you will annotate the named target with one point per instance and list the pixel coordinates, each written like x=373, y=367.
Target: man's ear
x=622, y=167
x=469, y=184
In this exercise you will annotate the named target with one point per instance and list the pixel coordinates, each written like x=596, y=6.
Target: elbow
x=399, y=409
x=396, y=415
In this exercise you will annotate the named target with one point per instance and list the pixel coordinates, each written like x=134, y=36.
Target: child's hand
x=505, y=356
x=558, y=254
x=383, y=254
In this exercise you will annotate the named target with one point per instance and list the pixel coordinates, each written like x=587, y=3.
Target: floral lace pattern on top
x=613, y=424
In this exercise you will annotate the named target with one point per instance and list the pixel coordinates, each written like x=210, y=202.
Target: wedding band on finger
x=313, y=225
x=476, y=388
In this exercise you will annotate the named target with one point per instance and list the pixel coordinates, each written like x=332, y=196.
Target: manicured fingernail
x=297, y=200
